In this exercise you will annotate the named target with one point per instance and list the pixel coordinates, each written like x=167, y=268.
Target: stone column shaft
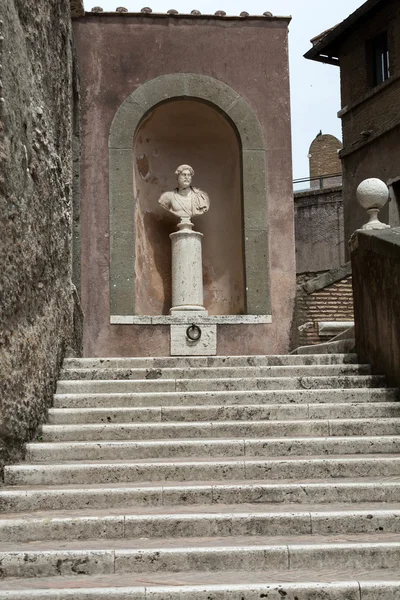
x=187, y=271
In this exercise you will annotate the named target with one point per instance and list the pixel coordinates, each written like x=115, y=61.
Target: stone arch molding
x=121, y=149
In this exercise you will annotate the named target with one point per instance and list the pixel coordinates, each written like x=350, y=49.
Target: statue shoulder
x=201, y=201
x=199, y=191
x=165, y=198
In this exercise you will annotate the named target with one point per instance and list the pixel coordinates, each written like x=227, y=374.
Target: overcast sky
x=314, y=87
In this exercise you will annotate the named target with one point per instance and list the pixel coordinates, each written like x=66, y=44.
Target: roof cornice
x=325, y=47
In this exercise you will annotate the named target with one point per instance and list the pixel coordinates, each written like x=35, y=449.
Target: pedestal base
x=182, y=345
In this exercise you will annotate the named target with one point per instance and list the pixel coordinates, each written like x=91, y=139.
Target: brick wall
x=370, y=115
x=353, y=51
x=324, y=157
x=326, y=296
x=366, y=108
x=376, y=114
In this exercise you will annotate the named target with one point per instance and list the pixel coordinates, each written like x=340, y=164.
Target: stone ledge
x=366, y=141
x=318, y=192
x=333, y=328
x=380, y=241
x=369, y=94
x=198, y=319
x=327, y=279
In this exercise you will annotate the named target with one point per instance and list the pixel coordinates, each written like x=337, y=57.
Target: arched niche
x=124, y=129
x=173, y=133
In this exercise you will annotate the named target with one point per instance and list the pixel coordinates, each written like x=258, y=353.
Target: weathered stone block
x=125, y=123
x=122, y=233
x=257, y=272
x=182, y=345
x=254, y=190
x=159, y=89
x=211, y=90
x=248, y=125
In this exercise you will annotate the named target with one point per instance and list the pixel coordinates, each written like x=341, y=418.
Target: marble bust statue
x=185, y=201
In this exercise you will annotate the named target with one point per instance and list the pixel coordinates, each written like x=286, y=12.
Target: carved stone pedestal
x=190, y=337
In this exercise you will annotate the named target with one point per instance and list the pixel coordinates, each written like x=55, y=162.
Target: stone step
x=180, y=555
x=249, y=412
x=246, y=520
x=214, y=372
x=178, y=494
x=203, y=521
x=213, y=448
x=219, y=429
x=165, y=362
x=228, y=469
x=175, y=399
x=293, y=584
x=201, y=477
x=234, y=384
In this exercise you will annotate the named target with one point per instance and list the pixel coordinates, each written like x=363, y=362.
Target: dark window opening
x=394, y=204
x=379, y=59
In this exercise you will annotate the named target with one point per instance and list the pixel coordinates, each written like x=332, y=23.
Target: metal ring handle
x=193, y=333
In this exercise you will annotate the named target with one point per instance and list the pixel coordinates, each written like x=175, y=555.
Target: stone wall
x=376, y=270
x=320, y=297
x=36, y=294
x=319, y=230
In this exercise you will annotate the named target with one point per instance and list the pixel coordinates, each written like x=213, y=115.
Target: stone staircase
x=223, y=478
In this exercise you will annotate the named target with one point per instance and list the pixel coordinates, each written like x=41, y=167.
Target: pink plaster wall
x=118, y=53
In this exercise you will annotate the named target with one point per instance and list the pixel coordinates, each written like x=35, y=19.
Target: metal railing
x=317, y=183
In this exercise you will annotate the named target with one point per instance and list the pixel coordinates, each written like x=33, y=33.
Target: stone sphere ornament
x=372, y=195
x=185, y=201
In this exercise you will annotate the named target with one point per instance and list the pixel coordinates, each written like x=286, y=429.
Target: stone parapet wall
x=36, y=298
x=326, y=296
x=375, y=259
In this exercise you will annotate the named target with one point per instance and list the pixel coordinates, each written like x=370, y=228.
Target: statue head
x=184, y=174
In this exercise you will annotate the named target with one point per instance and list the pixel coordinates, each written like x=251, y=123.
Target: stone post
x=187, y=270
